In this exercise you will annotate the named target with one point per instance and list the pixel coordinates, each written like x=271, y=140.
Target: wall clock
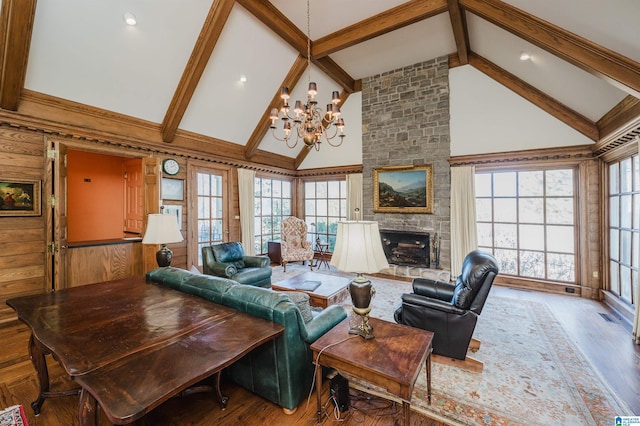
x=170, y=166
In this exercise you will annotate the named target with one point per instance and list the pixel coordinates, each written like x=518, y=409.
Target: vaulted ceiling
x=74, y=66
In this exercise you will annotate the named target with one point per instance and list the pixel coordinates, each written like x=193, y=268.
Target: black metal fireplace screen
x=406, y=248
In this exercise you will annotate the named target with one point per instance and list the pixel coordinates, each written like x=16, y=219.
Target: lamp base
x=361, y=292
x=164, y=256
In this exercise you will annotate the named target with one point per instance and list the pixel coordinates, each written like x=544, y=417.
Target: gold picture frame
x=403, y=189
x=20, y=197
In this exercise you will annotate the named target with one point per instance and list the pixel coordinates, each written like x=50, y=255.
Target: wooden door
x=133, y=196
x=57, y=220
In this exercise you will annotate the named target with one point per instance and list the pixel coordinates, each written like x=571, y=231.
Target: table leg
x=428, y=362
x=406, y=413
x=87, y=409
x=40, y=364
x=319, y=391
x=223, y=399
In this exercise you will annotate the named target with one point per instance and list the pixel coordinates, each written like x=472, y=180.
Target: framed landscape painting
x=405, y=189
x=20, y=197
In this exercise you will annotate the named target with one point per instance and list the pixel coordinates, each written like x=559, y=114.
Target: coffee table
x=392, y=359
x=331, y=291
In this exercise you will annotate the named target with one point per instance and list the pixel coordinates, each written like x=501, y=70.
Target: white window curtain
x=246, y=194
x=636, y=318
x=354, y=196
x=464, y=234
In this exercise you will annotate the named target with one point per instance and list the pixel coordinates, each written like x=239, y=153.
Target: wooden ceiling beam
x=209, y=34
x=16, y=27
x=625, y=112
x=543, y=101
x=460, y=33
x=333, y=70
x=400, y=16
x=591, y=57
x=290, y=80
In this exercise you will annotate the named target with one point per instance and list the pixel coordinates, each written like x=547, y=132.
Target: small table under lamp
x=162, y=229
x=359, y=249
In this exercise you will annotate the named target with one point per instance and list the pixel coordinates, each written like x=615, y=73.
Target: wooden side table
x=321, y=250
x=392, y=359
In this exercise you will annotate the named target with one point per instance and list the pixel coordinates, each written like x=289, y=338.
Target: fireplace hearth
x=406, y=248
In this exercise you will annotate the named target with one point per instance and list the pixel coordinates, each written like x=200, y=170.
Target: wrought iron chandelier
x=308, y=122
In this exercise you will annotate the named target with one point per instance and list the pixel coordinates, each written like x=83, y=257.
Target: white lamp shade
x=358, y=248
x=162, y=229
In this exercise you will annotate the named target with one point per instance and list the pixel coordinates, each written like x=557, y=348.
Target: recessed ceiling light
x=524, y=56
x=130, y=18
x=243, y=78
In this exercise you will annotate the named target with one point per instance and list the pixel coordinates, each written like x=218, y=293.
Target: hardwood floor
x=604, y=339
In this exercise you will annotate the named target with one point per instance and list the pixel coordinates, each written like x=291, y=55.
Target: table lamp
x=359, y=249
x=162, y=229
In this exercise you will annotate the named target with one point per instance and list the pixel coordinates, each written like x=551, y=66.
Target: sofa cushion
x=229, y=253
x=301, y=300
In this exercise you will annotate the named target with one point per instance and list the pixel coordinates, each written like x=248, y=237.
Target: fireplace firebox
x=406, y=248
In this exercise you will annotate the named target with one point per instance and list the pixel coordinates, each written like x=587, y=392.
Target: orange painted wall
x=95, y=196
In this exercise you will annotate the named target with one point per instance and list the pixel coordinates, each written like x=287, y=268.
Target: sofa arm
x=221, y=269
x=428, y=303
x=256, y=261
x=323, y=322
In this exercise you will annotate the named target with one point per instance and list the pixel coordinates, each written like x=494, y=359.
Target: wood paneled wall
x=22, y=239
x=95, y=264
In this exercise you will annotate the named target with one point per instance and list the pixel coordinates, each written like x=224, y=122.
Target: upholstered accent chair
x=294, y=246
x=451, y=310
x=227, y=260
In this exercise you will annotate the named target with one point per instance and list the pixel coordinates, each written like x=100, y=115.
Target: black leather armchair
x=228, y=260
x=450, y=310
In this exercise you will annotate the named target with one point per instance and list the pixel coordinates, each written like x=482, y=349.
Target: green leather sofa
x=227, y=260
x=280, y=370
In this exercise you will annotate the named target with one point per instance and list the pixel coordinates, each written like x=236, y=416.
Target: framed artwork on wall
x=172, y=189
x=403, y=189
x=174, y=210
x=20, y=197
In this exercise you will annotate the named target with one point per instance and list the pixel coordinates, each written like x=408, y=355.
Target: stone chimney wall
x=405, y=121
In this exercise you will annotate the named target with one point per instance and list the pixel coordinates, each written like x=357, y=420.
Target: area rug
x=533, y=374
x=13, y=416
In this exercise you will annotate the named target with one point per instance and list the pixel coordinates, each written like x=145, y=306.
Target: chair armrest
x=434, y=289
x=220, y=269
x=428, y=303
x=307, y=244
x=256, y=261
x=323, y=322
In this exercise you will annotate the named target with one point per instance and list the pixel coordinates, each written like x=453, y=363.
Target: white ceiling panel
x=568, y=84
x=224, y=108
x=329, y=16
x=611, y=23
x=83, y=51
x=487, y=117
x=410, y=45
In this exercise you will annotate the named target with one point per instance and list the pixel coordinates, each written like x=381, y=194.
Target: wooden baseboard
x=469, y=364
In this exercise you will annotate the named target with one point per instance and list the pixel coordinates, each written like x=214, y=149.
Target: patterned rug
x=533, y=374
x=13, y=416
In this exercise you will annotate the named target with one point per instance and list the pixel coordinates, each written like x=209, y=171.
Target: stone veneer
x=405, y=121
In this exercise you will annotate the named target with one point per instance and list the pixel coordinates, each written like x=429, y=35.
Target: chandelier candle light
x=359, y=249
x=310, y=123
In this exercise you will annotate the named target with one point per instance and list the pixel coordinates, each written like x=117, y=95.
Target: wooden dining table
x=131, y=345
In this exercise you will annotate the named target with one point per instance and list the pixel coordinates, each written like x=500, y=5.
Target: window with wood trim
x=325, y=206
x=527, y=220
x=624, y=228
x=272, y=203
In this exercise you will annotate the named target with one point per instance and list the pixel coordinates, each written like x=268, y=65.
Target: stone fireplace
x=405, y=122
x=406, y=248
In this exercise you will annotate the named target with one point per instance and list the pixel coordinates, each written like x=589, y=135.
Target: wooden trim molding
x=557, y=155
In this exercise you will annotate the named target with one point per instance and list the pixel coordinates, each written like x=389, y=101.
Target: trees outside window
x=272, y=203
x=526, y=219
x=624, y=228
x=325, y=206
